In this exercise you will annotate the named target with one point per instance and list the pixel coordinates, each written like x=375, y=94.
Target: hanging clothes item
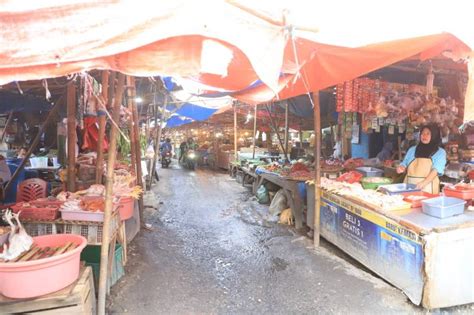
x=91, y=134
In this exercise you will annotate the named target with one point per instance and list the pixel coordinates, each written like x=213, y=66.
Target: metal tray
x=370, y=171
x=395, y=189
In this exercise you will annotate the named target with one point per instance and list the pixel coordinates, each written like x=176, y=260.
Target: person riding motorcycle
x=166, y=150
x=166, y=146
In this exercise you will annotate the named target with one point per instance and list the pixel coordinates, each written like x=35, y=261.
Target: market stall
x=417, y=252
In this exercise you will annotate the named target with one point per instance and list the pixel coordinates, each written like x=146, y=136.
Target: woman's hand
x=401, y=169
x=421, y=185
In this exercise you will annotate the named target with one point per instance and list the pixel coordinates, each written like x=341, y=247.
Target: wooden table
x=290, y=188
x=78, y=298
x=248, y=175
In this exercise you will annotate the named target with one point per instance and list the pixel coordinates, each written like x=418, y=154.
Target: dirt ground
x=211, y=251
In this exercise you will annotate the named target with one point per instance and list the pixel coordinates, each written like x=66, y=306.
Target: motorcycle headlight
x=192, y=155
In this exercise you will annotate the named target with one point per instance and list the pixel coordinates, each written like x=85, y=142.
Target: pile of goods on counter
x=83, y=205
x=298, y=171
x=372, y=198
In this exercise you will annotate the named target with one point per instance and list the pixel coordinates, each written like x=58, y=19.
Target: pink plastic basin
x=126, y=205
x=30, y=279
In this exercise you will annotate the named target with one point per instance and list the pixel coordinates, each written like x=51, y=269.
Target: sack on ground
x=262, y=195
x=279, y=203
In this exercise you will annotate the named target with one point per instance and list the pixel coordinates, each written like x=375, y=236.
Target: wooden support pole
x=131, y=129
x=10, y=117
x=71, y=137
x=286, y=129
x=35, y=142
x=275, y=129
x=317, y=180
x=157, y=138
x=104, y=252
x=102, y=122
x=254, y=131
x=136, y=138
x=236, y=155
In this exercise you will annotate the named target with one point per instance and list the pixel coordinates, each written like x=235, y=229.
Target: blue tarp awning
x=195, y=112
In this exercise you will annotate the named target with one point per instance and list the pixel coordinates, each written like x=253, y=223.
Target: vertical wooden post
x=104, y=252
x=158, y=137
x=10, y=117
x=317, y=180
x=131, y=129
x=236, y=155
x=136, y=134
x=286, y=129
x=254, y=141
x=102, y=121
x=71, y=136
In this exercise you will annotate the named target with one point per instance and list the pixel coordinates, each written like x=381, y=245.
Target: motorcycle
x=190, y=159
x=165, y=159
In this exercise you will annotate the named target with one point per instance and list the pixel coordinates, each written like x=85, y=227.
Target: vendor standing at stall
x=425, y=161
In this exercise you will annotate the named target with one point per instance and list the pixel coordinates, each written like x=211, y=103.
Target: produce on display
x=350, y=177
x=18, y=240
x=351, y=164
x=368, y=197
x=35, y=252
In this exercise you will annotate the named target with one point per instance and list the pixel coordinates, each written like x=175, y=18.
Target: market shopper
x=425, y=161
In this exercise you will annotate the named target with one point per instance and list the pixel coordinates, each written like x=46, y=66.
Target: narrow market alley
x=212, y=252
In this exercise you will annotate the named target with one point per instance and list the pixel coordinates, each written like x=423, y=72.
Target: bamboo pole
x=235, y=133
x=136, y=138
x=157, y=138
x=317, y=180
x=71, y=137
x=9, y=119
x=131, y=129
x=104, y=252
x=102, y=123
x=286, y=130
x=35, y=142
x=254, y=131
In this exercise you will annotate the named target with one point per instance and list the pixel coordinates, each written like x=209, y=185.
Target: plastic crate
x=91, y=256
x=443, y=207
x=32, y=212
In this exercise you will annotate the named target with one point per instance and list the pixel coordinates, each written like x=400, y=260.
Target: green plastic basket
x=91, y=256
x=371, y=185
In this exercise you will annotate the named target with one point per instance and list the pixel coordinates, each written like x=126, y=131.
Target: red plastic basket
x=32, y=212
x=461, y=192
x=416, y=197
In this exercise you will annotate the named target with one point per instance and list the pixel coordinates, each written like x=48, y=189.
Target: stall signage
x=381, y=244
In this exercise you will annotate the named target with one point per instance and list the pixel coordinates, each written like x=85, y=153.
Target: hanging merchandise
x=391, y=130
x=398, y=103
x=257, y=134
x=264, y=136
